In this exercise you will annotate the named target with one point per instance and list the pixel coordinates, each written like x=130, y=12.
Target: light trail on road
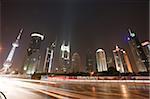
x=37, y=89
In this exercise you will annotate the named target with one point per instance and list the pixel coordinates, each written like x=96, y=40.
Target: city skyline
x=94, y=63
x=91, y=33
x=74, y=49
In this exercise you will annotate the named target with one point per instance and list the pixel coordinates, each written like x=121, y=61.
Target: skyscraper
x=65, y=57
x=118, y=60
x=140, y=59
x=122, y=61
x=8, y=62
x=110, y=62
x=33, y=53
x=89, y=62
x=127, y=64
x=76, y=63
x=146, y=48
x=49, y=58
x=101, y=60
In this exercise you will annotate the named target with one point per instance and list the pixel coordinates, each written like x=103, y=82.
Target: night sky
x=89, y=24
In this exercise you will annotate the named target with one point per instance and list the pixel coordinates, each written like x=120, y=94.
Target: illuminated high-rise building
x=76, y=63
x=127, y=64
x=146, y=48
x=65, y=57
x=49, y=58
x=140, y=58
x=32, y=62
x=122, y=62
x=101, y=60
x=118, y=60
x=8, y=62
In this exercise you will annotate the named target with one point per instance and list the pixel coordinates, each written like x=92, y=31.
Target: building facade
x=127, y=64
x=140, y=58
x=146, y=48
x=101, y=60
x=65, y=57
x=33, y=58
x=89, y=62
x=118, y=60
x=122, y=62
x=48, y=62
x=76, y=63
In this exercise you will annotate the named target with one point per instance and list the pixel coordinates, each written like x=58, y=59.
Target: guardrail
x=96, y=79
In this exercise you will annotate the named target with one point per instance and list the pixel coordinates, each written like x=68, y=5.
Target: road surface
x=15, y=88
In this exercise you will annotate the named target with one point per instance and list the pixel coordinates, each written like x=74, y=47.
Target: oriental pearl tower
x=8, y=62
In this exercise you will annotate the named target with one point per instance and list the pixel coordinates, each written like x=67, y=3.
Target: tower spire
x=129, y=30
x=8, y=62
x=20, y=33
x=132, y=34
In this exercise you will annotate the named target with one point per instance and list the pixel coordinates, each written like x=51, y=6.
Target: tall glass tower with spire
x=141, y=60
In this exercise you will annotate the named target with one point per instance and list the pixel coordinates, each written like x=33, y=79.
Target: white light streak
x=39, y=35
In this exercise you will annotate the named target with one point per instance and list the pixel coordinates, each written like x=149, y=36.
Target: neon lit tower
x=8, y=62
